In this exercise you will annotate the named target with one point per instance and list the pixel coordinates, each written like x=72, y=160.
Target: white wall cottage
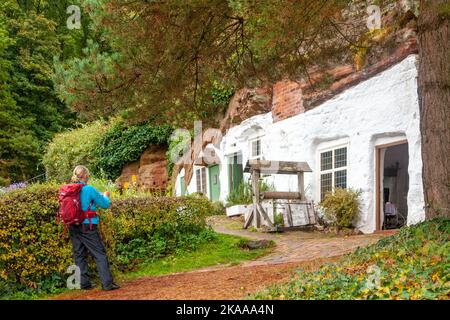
x=380, y=110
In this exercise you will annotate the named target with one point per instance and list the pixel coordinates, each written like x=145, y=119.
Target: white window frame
x=333, y=169
x=203, y=186
x=255, y=140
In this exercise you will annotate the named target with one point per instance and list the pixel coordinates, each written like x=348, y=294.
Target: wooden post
x=255, y=189
x=289, y=214
x=301, y=186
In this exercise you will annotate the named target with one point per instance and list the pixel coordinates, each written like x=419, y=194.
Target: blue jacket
x=89, y=194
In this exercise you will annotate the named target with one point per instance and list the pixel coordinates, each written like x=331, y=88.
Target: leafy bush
x=34, y=254
x=122, y=144
x=103, y=147
x=161, y=223
x=341, y=207
x=32, y=249
x=412, y=264
x=71, y=148
x=218, y=209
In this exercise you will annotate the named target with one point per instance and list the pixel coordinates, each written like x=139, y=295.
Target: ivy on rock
x=123, y=144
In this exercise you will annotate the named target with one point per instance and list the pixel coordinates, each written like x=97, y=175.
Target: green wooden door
x=214, y=183
x=235, y=171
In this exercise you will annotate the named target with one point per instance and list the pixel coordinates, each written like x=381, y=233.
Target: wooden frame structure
x=378, y=179
x=258, y=167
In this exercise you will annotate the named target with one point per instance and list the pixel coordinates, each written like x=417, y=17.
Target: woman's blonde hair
x=79, y=173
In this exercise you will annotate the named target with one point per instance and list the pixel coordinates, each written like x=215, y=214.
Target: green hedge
x=34, y=254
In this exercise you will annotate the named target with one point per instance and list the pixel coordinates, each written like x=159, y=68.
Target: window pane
x=326, y=160
x=340, y=157
x=325, y=184
x=203, y=180
x=256, y=148
x=199, y=181
x=340, y=179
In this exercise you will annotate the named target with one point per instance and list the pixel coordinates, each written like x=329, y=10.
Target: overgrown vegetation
x=122, y=144
x=341, y=207
x=412, y=264
x=243, y=193
x=104, y=147
x=34, y=255
x=71, y=148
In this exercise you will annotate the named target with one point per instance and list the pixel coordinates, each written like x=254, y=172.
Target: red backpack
x=70, y=212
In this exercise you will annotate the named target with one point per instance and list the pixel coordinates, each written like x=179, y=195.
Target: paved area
x=296, y=246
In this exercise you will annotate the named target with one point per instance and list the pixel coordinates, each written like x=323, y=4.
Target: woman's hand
x=106, y=194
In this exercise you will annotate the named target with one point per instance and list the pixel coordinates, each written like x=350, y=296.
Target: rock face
x=150, y=170
x=245, y=104
x=256, y=244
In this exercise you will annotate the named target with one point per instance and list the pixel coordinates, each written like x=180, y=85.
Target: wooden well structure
x=258, y=167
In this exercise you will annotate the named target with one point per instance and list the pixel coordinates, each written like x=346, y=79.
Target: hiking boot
x=112, y=287
x=88, y=287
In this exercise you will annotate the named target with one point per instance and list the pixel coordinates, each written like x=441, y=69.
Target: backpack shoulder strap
x=90, y=205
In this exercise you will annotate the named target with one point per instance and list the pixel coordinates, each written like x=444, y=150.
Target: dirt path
x=296, y=249
x=222, y=284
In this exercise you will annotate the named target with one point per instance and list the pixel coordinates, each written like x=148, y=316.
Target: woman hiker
x=86, y=237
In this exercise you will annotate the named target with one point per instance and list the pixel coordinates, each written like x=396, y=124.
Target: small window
x=200, y=175
x=333, y=170
x=182, y=186
x=255, y=146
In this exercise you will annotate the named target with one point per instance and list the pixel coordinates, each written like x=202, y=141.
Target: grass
x=223, y=250
x=412, y=264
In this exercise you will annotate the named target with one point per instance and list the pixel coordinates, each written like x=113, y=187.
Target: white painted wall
x=380, y=110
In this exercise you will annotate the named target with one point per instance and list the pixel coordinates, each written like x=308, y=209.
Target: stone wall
x=150, y=170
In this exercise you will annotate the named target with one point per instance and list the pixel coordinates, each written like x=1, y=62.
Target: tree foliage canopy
x=32, y=32
x=166, y=56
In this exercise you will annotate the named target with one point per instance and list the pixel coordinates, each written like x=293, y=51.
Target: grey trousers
x=85, y=240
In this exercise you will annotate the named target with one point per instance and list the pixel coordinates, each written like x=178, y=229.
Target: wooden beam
x=377, y=186
x=249, y=220
x=281, y=195
x=276, y=167
x=264, y=214
x=255, y=196
x=289, y=215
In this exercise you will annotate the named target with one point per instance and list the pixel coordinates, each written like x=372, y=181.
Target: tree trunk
x=434, y=101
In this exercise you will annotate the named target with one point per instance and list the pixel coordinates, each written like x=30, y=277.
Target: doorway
x=235, y=171
x=392, y=185
x=214, y=182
